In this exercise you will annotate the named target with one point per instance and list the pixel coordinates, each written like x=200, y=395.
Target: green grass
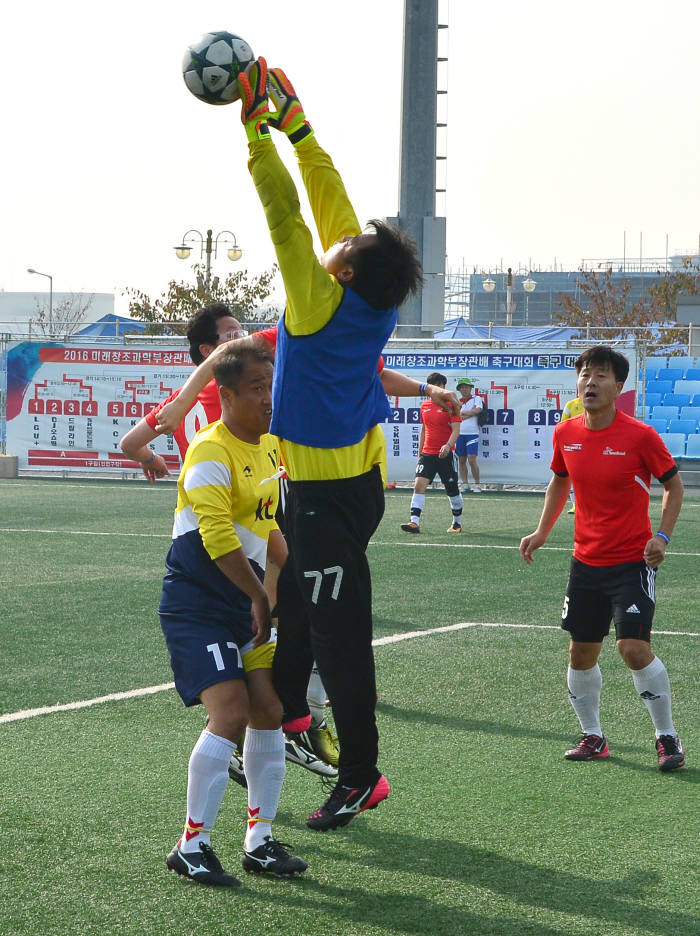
x=487, y=830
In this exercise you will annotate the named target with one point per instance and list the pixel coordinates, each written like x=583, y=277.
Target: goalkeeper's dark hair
x=203, y=330
x=602, y=354
x=386, y=272
x=229, y=368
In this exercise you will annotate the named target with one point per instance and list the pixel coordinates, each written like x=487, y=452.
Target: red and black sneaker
x=346, y=802
x=670, y=751
x=589, y=747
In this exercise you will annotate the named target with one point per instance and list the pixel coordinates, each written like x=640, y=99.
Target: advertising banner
x=524, y=391
x=68, y=406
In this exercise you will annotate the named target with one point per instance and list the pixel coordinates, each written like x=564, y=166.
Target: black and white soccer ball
x=211, y=65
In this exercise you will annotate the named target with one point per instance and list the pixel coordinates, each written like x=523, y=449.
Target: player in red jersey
x=438, y=432
x=610, y=458
x=213, y=326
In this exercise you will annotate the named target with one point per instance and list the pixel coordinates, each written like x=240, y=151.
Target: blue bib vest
x=326, y=392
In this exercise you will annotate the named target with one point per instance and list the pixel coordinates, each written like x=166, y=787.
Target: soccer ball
x=210, y=67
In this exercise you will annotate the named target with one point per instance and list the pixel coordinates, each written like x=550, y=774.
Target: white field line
x=380, y=642
x=85, y=533
x=412, y=544
x=409, y=545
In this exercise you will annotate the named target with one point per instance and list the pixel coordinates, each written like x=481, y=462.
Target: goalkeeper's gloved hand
x=289, y=117
x=252, y=86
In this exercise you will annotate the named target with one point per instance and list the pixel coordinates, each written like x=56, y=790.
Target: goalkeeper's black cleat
x=272, y=856
x=202, y=866
x=346, y=802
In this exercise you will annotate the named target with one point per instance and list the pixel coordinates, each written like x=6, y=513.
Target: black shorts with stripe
x=446, y=468
x=597, y=595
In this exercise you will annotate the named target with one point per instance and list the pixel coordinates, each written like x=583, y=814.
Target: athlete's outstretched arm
x=134, y=444
x=172, y=414
x=334, y=215
x=554, y=502
x=397, y=384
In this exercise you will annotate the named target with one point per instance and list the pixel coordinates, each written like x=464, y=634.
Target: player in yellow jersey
x=221, y=579
x=572, y=408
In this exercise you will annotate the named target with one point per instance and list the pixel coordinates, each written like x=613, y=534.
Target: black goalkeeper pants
x=324, y=604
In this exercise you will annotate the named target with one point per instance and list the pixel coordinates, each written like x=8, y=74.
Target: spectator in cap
x=468, y=440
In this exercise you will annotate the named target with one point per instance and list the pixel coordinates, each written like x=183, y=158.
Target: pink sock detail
x=299, y=724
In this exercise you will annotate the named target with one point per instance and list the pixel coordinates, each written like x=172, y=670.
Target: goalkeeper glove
x=290, y=116
x=252, y=86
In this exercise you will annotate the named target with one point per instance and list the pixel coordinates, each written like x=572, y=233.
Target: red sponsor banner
x=73, y=458
x=113, y=356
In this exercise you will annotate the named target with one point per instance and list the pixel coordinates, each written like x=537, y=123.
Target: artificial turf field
x=487, y=829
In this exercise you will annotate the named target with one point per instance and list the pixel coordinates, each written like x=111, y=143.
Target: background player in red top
x=438, y=433
x=610, y=459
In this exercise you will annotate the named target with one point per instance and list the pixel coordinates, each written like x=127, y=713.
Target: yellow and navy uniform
x=221, y=507
x=314, y=297
x=572, y=408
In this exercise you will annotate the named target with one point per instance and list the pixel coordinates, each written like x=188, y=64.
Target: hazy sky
x=568, y=124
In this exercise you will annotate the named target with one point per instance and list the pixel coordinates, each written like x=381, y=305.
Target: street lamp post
x=529, y=286
x=488, y=284
x=209, y=246
x=509, y=297
x=50, y=279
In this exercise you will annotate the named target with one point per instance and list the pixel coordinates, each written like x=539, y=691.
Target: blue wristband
x=666, y=539
x=422, y=389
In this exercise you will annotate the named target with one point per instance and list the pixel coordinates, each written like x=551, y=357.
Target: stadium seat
x=696, y=400
x=652, y=374
x=652, y=399
x=675, y=443
x=687, y=386
x=693, y=373
x=660, y=386
x=671, y=373
x=661, y=425
x=675, y=399
x=690, y=412
x=692, y=448
x=686, y=426
x=664, y=412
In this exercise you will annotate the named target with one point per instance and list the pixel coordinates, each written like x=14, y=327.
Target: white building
x=19, y=311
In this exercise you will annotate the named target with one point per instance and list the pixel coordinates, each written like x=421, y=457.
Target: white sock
x=457, y=503
x=584, y=695
x=263, y=763
x=207, y=776
x=653, y=685
x=316, y=697
x=417, y=505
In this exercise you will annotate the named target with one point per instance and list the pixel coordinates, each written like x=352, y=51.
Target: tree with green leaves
x=601, y=302
x=171, y=312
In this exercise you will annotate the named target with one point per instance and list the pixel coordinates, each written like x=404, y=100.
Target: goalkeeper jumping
x=328, y=403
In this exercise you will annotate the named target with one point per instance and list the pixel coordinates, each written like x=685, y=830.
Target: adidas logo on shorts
x=633, y=609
